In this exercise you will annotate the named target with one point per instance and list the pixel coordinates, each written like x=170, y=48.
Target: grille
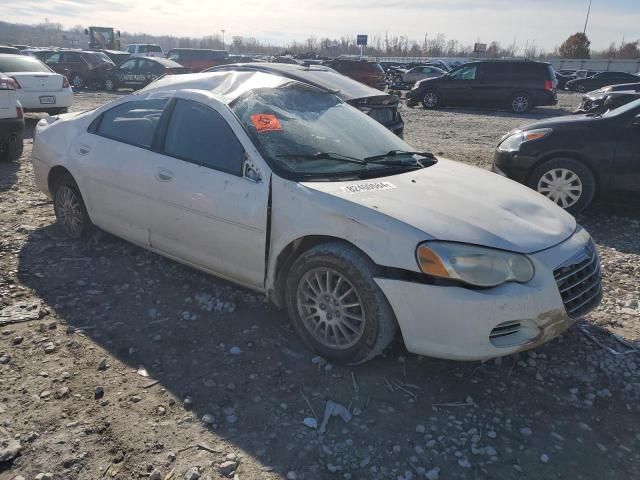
x=382, y=115
x=579, y=282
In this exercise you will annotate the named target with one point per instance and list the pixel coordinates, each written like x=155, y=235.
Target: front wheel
x=336, y=306
x=69, y=207
x=77, y=81
x=109, y=85
x=565, y=181
x=581, y=88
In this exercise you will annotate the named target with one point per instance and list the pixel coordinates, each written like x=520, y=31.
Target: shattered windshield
x=310, y=133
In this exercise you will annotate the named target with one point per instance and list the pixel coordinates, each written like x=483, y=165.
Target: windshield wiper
x=324, y=156
x=395, y=153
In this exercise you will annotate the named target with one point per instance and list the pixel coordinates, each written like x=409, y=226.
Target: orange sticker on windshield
x=265, y=122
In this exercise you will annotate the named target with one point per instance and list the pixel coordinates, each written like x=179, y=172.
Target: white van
x=145, y=50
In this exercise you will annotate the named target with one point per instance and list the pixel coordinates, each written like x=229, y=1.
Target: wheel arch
x=54, y=174
x=291, y=252
x=575, y=156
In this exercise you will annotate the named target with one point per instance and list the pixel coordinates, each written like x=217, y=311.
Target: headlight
x=479, y=266
x=513, y=142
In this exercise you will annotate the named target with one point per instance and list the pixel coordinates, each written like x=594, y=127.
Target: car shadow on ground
x=146, y=310
x=538, y=113
x=612, y=226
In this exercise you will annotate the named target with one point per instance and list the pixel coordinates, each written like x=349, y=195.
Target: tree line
x=576, y=46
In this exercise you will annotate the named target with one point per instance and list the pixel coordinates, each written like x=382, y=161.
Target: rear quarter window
x=530, y=71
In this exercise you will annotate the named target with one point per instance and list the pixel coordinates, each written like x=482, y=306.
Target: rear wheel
x=69, y=207
x=12, y=148
x=581, y=88
x=565, y=181
x=431, y=99
x=336, y=306
x=521, y=103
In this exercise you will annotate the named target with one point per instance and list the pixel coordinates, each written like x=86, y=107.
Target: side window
x=175, y=56
x=131, y=49
x=465, y=73
x=134, y=122
x=128, y=65
x=496, y=71
x=200, y=135
x=53, y=59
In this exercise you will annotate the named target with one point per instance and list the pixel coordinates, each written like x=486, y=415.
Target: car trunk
x=382, y=108
x=38, y=82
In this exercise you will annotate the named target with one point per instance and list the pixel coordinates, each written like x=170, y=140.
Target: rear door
x=206, y=212
x=493, y=85
x=114, y=162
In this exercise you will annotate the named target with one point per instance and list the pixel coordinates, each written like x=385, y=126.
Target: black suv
x=518, y=85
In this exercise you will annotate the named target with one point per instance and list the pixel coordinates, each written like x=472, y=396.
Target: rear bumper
x=31, y=100
x=463, y=324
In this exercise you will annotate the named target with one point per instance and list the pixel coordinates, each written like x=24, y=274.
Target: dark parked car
x=562, y=80
x=138, y=72
x=369, y=73
x=575, y=159
x=600, y=80
x=598, y=102
x=83, y=69
x=40, y=53
x=198, y=59
x=517, y=85
x=380, y=106
x=7, y=49
x=116, y=56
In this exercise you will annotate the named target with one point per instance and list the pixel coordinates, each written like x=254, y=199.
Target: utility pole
x=223, y=30
x=584, y=32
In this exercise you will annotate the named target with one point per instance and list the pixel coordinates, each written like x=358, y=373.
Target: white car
x=288, y=190
x=11, y=121
x=145, y=50
x=39, y=88
x=416, y=74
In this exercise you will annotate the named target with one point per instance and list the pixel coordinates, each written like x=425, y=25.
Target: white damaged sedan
x=287, y=190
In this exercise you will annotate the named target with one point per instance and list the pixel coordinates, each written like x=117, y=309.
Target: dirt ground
x=130, y=366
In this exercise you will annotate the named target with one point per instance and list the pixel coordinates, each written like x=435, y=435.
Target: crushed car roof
x=226, y=85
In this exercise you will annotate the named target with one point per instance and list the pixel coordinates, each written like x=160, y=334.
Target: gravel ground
x=127, y=365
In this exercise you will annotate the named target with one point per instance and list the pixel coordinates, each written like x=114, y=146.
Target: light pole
x=223, y=30
x=584, y=32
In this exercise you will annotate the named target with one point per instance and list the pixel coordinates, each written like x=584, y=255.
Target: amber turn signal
x=430, y=262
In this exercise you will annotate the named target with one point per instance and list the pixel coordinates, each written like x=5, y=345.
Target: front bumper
x=31, y=100
x=513, y=165
x=464, y=324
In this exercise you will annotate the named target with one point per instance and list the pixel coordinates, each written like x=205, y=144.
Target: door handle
x=84, y=149
x=164, y=175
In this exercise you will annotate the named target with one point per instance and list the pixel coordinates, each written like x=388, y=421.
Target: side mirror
x=250, y=171
x=636, y=121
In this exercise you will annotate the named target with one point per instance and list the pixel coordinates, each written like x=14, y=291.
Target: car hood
x=455, y=202
x=564, y=121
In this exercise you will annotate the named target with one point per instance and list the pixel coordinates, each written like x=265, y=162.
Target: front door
x=458, y=88
x=625, y=180
x=206, y=211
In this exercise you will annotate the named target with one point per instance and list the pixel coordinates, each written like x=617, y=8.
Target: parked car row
x=272, y=181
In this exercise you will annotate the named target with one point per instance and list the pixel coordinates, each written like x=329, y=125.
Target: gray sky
x=545, y=22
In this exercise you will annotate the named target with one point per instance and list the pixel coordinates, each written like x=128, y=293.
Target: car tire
x=581, y=88
x=565, y=178
x=77, y=81
x=69, y=207
x=397, y=80
x=431, y=100
x=12, y=148
x=521, y=103
x=357, y=323
x=110, y=85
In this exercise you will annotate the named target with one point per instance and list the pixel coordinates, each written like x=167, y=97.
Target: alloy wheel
x=108, y=85
x=520, y=104
x=562, y=186
x=330, y=308
x=431, y=99
x=69, y=210
x=77, y=81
